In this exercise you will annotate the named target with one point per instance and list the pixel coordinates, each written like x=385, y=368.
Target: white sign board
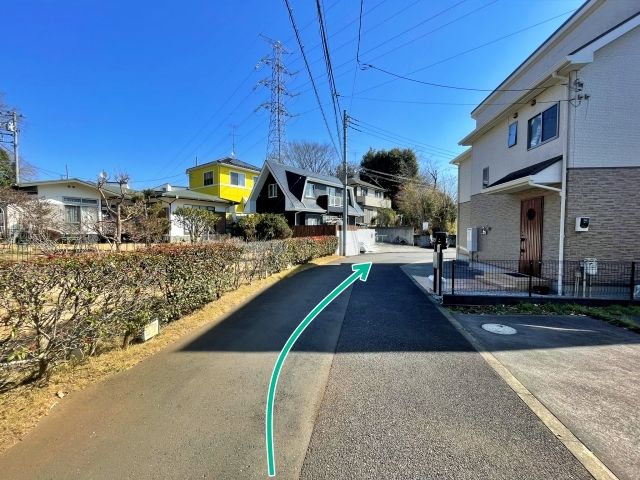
x=425, y=225
x=150, y=330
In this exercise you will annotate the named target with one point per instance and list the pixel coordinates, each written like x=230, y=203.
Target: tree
x=37, y=221
x=7, y=169
x=263, y=226
x=196, y=221
x=122, y=207
x=389, y=169
x=313, y=156
x=385, y=217
x=420, y=202
x=152, y=224
x=353, y=170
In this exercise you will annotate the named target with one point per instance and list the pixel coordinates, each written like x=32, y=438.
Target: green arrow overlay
x=360, y=272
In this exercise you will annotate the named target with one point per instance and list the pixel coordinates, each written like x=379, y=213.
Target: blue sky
x=145, y=87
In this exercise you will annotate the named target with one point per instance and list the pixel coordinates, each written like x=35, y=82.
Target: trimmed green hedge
x=54, y=308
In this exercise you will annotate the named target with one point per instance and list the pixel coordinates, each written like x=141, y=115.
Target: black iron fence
x=580, y=279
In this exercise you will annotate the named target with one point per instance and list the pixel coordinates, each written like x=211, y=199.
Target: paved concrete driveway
x=585, y=371
x=404, y=396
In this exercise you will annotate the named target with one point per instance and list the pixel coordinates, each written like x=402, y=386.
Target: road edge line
x=588, y=459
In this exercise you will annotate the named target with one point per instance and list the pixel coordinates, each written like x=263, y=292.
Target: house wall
x=264, y=204
x=464, y=181
x=491, y=149
x=605, y=132
x=500, y=214
x=176, y=231
x=464, y=222
x=610, y=198
x=222, y=186
x=55, y=194
x=601, y=16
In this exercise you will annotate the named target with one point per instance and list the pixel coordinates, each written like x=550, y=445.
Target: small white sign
x=150, y=330
x=425, y=226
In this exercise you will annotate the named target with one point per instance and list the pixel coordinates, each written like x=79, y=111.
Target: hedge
x=56, y=308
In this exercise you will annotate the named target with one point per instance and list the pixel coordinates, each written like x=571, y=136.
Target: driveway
x=379, y=386
x=585, y=371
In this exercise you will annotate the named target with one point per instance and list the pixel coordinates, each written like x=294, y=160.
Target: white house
x=175, y=197
x=370, y=197
x=552, y=172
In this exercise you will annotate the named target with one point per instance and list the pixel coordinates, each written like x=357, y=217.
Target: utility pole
x=14, y=129
x=345, y=204
x=276, y=143
x=9, y=127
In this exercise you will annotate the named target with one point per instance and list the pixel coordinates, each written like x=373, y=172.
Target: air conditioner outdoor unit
x=472, y=239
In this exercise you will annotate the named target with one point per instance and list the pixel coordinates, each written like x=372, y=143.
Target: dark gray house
x=302, y=196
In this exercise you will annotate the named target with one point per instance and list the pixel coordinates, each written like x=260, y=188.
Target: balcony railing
x=372, y=201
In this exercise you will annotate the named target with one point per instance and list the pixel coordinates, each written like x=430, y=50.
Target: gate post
x=453, y=276
x=633, y=281
x=530, y=275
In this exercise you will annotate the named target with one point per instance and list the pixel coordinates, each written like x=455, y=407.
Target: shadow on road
x=387, y=313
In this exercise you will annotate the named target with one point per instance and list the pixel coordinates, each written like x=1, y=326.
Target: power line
x=313, y=83
x=453, y=87
x=459, y=54
x=370, y=125
x=335, y=101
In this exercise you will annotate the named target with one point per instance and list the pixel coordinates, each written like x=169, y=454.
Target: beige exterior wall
x=610, y=197
x=596, y=18
x=491, y=149
x=464, y=181
x=607, y=125
x=464, y=222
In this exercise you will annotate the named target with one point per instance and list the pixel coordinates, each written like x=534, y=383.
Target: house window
x=485, y=177
x=543, y=127
x=378, y=194
x=364, y=192
x=72, y=214
x=513, y=134
x=208, y=178
x=273, y=190
x=335, y=197
x=237, y=179
x=310, y=191
x=311, y=221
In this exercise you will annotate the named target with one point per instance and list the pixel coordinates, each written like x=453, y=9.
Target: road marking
x=360, y=272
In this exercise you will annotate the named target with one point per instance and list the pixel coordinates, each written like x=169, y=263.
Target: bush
x=51, y=307
x=263, y=226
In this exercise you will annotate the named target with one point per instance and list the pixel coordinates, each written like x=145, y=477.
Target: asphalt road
x=404, y=396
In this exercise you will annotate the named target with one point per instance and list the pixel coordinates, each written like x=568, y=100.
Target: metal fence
x=577, y=279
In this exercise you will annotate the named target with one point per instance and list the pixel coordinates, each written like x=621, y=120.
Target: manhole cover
x=499, y=329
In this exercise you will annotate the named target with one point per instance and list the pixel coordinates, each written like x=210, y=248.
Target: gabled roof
x=527, y=171
x=227, y=161
x=279, y=172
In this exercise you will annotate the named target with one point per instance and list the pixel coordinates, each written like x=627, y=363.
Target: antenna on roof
x=196, y=160
x=233, y=141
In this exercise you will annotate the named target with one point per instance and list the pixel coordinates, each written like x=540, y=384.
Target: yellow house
x=227, y=178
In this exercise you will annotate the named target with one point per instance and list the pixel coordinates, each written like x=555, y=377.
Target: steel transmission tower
x=277, y=139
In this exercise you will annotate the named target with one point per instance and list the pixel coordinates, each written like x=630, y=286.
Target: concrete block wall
x=610, y=197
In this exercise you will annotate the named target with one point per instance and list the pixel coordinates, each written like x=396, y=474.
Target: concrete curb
x=586, y=457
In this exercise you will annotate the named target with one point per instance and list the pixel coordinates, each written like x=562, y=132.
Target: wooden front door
x=531, y=235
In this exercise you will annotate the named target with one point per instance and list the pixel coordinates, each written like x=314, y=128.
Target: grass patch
x=627, y=316
x=21, y=408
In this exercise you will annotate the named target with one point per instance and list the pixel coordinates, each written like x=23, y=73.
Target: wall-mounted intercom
x=582, y=224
